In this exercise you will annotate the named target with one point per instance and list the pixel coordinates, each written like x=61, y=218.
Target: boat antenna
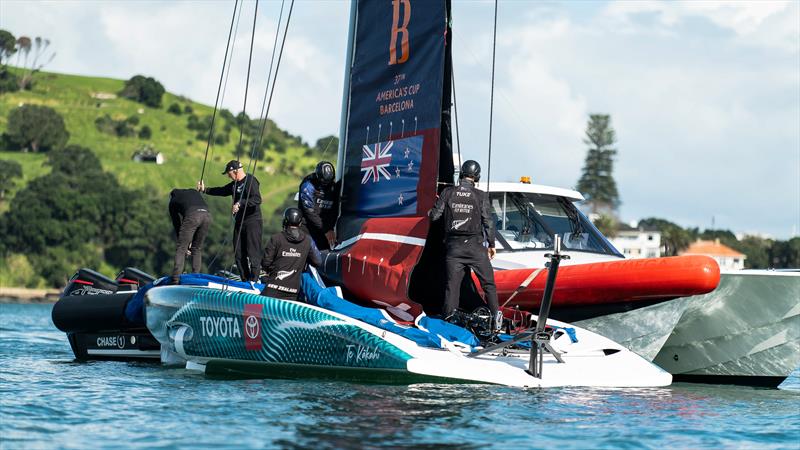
x=219, y=89
x=491, y=99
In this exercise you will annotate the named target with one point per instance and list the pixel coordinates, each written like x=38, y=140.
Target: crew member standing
x=319, y=203
x=191, y=220
x=467, y=225
x=286, y=256
x=247, y=211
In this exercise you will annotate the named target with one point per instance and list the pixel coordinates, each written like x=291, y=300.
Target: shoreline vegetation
x=138, y=149
x=27, y=295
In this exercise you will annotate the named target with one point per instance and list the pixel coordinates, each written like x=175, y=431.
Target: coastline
x=25, y=295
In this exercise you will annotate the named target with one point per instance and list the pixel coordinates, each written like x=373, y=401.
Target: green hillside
x=76, y=99
x=81, y=101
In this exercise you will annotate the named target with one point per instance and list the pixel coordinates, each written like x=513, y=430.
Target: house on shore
x=638, y=242
x=726, y=257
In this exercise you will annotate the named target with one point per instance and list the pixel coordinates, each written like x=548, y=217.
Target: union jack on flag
x=375, y=161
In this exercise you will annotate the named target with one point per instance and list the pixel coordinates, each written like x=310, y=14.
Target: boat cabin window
x=526, y=221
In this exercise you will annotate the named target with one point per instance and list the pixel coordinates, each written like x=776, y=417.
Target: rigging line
x=491, y=101
x=247, y=83
x=227, y=75
x=516, y=114
x=328, y=145
x=266, y=112
x=275, y=78
x=219, y=88
x=221, y=103
x=258, y=139
x=244, y=111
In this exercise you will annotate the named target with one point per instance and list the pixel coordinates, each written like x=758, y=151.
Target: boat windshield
x=528, y=221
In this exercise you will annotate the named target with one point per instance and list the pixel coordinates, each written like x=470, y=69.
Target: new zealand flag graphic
x=389, y=177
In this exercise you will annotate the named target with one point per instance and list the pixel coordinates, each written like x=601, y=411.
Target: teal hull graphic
x=242, y=334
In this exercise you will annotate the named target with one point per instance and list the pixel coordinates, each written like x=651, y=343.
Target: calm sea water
x=47, y=400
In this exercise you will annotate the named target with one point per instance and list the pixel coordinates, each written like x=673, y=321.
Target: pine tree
x=597, y=181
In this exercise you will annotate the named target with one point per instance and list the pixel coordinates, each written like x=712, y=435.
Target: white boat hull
x=241, y=334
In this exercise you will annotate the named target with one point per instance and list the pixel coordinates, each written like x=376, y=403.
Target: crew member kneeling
x=286, y=256
x=466, y=221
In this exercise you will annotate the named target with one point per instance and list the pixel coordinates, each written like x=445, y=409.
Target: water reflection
x=47, y=398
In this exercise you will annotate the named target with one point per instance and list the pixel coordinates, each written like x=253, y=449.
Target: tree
x=40, y=47
x=8, y=46
x=597, y=182
x=8, y=81
x=78, y=214
x=74, y=160
x=145, y=132
x=36, y=127
x=726, y=237
x=175, y=109
x=144, y=90
x=757, y=251
x=607, y=224
x=785, y=254
x=8, y=171
x=327, y=145
x=674, y=237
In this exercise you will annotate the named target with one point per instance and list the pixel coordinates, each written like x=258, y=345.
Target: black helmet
x=325, y=173
x=292, y=217
x=471, y=169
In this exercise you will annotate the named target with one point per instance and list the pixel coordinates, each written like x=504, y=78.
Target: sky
x=704, y=96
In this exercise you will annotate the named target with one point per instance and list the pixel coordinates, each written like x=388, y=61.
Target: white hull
x=748, y=327
x=593, y=361
x=299, y=339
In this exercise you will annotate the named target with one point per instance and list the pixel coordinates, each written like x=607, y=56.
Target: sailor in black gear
x=467, y=225
x=247, y=211
x=286, y=256
x=319, y=203
x=191, y=219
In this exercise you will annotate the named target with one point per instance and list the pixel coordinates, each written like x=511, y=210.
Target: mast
x=346, y=89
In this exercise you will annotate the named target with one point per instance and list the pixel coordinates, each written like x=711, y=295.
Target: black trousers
x=467, y=252
x=247, y=248
x=194, y=230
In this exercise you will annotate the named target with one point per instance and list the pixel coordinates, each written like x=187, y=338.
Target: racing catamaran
x=220, y=327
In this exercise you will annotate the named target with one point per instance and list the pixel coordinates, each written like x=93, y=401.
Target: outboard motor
x=131, y=279
x=88, y=282
x=91, y=311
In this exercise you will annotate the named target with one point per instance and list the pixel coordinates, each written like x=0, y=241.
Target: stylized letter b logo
x=398, y=30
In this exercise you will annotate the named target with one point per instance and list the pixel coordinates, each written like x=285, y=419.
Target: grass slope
x=76, y=99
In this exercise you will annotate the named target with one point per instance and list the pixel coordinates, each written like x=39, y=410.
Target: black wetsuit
x=467, y=225
x=284, y=261
x=247, y=242
x=320, y=207
x=191, y=219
